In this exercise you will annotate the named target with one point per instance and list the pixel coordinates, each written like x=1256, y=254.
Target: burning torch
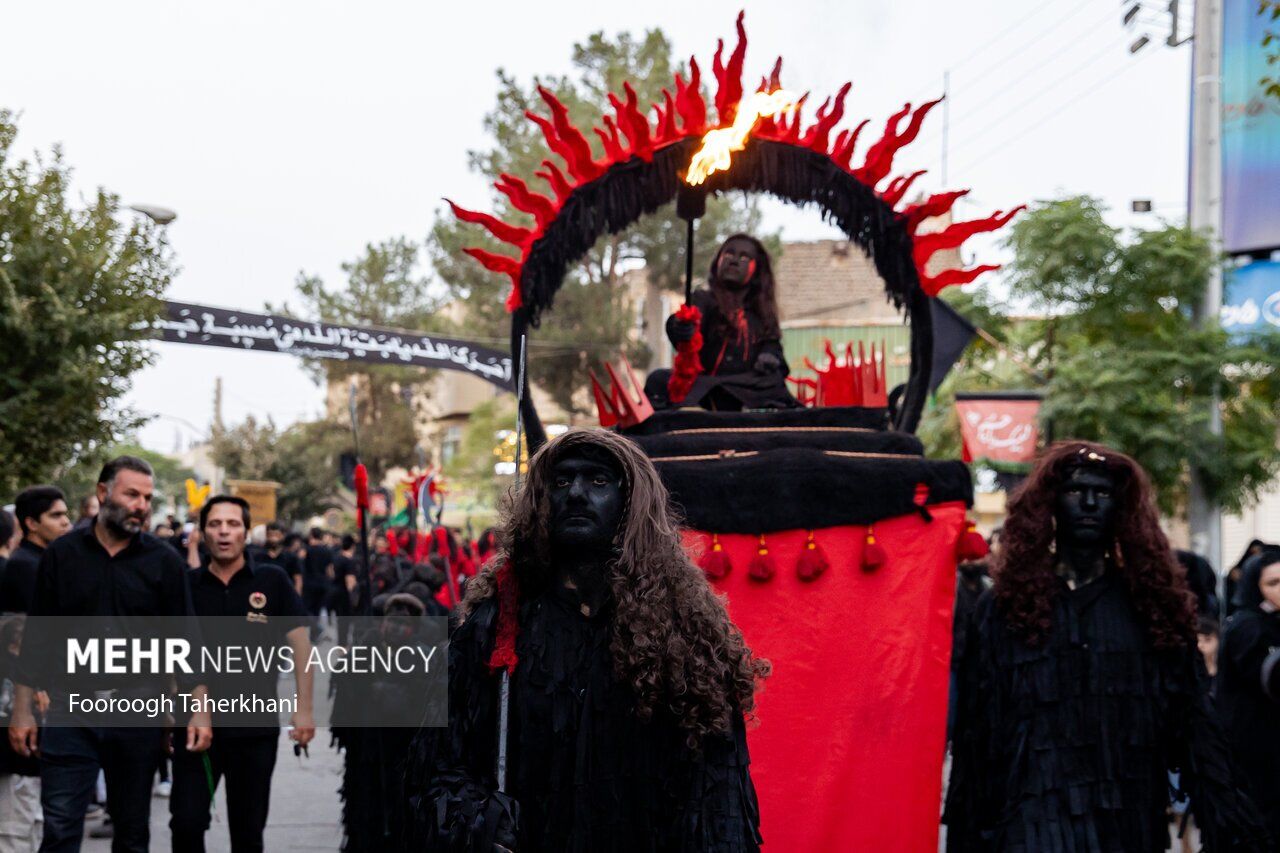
x=715, y=155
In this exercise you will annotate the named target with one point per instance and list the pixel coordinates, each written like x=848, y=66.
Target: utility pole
x=1204, y=212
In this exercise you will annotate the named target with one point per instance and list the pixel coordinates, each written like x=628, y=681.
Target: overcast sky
x=288, y=135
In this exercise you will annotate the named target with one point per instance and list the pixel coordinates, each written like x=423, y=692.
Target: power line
x=992, y=99
x=1073, y=74
x=1058, y=110
x=988, y=43
x=1027, y=45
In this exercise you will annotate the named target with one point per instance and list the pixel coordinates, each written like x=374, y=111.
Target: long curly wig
x=672, y=640
x=761, y=296
x=1024, y=573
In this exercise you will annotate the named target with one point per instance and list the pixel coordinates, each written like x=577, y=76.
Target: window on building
x=452, y=444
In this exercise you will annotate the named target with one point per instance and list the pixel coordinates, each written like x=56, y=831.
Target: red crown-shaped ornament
x=846, y=381
x=625, y=406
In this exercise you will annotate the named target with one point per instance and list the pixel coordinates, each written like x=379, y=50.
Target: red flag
x=999, y=429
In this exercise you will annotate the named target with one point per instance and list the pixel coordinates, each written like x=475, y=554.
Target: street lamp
x=158, y=215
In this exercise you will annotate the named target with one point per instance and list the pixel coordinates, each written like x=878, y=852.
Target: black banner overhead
x=205, y=325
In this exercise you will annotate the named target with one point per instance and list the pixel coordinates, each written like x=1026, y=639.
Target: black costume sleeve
x=450, y=771
x=722, y=814
x=1227, y=819
x=969, y=797
x=1246, y=650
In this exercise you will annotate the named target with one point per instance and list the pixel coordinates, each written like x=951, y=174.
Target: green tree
x=1122, y=360
x=593, y=314
x=77, y=289
x=1270, y=10
x=303, y=459
x=80, y=479
x=384, y=288
x=471, y=470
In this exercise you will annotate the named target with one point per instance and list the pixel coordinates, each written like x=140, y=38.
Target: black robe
x=588, y=775
x=1066, y=747
x=729, y=381
x=1249, y=700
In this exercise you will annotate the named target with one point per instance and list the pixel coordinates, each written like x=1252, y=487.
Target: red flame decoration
x=684, y=115
x=845, y=380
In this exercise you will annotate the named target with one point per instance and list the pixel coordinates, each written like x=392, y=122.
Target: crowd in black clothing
x=1238, y=635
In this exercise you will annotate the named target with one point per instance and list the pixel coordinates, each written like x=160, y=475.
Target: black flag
x=951, y=334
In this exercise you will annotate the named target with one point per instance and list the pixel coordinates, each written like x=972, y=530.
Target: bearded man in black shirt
x=112, y=570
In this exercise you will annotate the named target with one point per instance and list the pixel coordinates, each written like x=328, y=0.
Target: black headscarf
x=1248, y=593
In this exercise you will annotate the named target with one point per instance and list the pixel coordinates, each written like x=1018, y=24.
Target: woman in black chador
x=629, y=688
x=742, y=366
x=1249, y=682
x=1081, y=687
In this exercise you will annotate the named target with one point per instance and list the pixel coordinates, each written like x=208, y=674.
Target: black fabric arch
x=636, y=188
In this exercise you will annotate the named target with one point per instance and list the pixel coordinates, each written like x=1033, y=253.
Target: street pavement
x=305, y=810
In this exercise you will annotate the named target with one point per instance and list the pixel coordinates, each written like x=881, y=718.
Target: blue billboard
x=1251, y=299
x=1250, y=133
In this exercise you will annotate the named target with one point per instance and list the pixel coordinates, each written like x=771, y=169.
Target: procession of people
x=600, y=696
x=778, y=591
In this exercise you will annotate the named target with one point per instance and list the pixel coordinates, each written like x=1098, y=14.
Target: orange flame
x=718, y=145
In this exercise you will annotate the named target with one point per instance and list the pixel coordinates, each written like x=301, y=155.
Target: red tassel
x=393, y=543
x=716, y=561
x=873, y=555
x=813, y=560
x=971, y=546
x=688, y=361
x=762, y=566
x=504, y=643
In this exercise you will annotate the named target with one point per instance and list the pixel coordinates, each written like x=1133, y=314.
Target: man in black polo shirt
x=111, y=570
x=246, y=605
x=42, y=514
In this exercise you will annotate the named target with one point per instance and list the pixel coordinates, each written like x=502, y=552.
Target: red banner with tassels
x=849, y=730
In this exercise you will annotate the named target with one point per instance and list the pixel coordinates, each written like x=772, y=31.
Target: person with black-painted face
x=743, y=366
x=1081, y=687
x=629, y=682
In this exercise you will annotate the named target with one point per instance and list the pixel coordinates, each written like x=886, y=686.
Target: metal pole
x=504, y=683
x=1204, y=211
x=688, y=262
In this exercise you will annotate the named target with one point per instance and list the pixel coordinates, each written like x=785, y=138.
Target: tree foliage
x=471, y=471
x=77, y=284
x=79, y=480
x=384, y=288
x=593, y=315
x=1121, y=358
x=303, y=459
x=1269, y=10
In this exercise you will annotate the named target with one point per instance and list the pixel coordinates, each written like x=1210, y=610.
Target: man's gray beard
x=118, y=519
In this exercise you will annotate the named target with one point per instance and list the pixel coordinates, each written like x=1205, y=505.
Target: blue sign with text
x=1251, y=299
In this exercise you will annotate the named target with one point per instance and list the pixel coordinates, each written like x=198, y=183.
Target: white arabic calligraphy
x=989, y=428
x=319, y=340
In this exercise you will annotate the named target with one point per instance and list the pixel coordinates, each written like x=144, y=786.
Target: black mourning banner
x=205, y=325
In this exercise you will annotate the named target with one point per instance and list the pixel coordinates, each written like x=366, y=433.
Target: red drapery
x=847, y=750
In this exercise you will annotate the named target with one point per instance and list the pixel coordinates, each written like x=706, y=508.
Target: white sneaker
x=163, y=789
